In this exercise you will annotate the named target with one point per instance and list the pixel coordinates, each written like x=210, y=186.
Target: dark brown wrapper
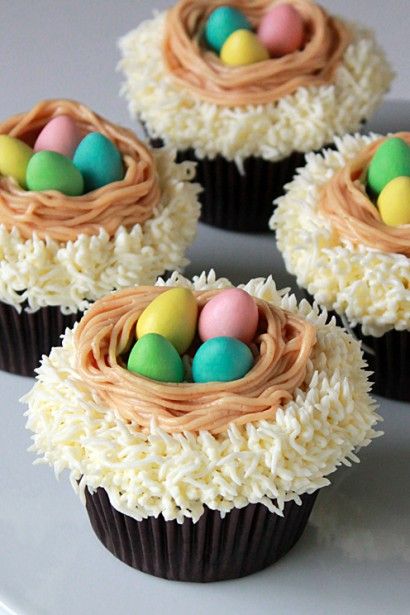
x=234, y=201
x=27, y=336
x=388, y=357
x=241, y=202
x=213, y=549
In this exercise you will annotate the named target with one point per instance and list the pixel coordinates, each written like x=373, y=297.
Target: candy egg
x=391, y=159
x=172, y=314
x=231, y=313
x=221, y=23
x=281, y=30
x=53, y=171
x=14, y=158
x=221, y=359
x=394, y=202
x=155, y=357
x=60, y=134
x=243, y=47
x=99, y=161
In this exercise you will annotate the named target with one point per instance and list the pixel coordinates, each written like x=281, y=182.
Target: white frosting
x=371, y=287
x=176, y=475
x=46, y=273
x=302, y=121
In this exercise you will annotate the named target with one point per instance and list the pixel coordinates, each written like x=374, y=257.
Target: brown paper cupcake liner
x=27, y=336
x=213, y=549
x=388, y=357
x=234, y=201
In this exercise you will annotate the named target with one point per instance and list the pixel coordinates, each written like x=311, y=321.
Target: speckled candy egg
x=221, y=23
x=282, y=30
x=221, y=359
x=232, y=312
x=60, y=134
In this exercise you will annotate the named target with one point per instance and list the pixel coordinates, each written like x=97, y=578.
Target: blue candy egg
x=222, y=22
x=98, y=160
x=221, y=359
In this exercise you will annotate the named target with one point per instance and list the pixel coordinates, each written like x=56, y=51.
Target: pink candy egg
x=281, y=30
x=61, y=134
x=231, y=313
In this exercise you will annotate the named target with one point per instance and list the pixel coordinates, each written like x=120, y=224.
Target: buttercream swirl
x=62, y=218
x=282, y=350
x=344, y=200
x=203, y=73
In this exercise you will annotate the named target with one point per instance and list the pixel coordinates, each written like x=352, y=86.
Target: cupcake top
x=187, y=95
x=335, y=237
x=68, y=248
x=270, y=435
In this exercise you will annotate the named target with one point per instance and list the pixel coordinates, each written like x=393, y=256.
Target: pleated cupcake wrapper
x=213, y=549
x=241, y=202
x=234, y=201
x=388, y=357
x=26, y=337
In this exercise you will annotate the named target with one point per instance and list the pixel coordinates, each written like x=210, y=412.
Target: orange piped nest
x=282, y=350
x=62, y=218
x=202, y=72
x=344, y=201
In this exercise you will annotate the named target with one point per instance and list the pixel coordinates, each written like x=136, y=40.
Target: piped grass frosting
x=333, y=239
x=149, y=471
x=301, y=119
x=68, y=251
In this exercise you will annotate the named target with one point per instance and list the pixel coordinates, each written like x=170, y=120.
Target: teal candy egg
x=222, y=22
x=221, y=359
x=52, y=171
x=153, y=356
x=99, y=161
x=391, y=160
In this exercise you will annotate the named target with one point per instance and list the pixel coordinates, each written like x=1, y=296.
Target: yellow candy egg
x=173, y=314
x=14, y=158
x=243, y=47
x=394, y=202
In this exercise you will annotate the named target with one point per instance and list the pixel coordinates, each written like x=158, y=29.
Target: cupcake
x=214, y=477
x=343, y=231
x=59, y=251
x=248, y=126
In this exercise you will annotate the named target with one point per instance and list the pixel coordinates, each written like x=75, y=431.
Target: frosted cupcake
x=201, y=481
x=248, y=126
x=59, y=253
x=332, y=231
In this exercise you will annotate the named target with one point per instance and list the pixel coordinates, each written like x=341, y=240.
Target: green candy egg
x=391, y=160
x=52, y=171
x=99, y=161
x=154, y=357
x=14, y=158
x=222, y=22
x=221, y=359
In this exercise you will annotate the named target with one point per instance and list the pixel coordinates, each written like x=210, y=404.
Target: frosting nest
x=204, y=74
x=301, y=121
x=368, y=284
x=106, y=332
x=37, y=272
x=147, y=473
x=345, y=202
x=56, y=216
